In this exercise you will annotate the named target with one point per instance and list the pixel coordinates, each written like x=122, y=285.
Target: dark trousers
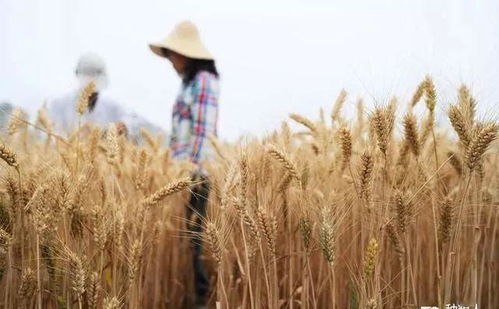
x=195, y=214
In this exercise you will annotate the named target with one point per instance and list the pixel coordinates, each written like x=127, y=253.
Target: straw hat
x=184, y=40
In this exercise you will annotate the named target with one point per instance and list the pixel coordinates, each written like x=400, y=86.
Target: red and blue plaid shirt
x=194, y=117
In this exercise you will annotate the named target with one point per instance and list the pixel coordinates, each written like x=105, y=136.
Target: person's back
x=195, y=116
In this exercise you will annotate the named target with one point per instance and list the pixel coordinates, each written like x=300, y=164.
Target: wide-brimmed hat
x=184, y=40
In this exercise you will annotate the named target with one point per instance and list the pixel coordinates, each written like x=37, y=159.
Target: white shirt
x=64, y=117
x=62, y=113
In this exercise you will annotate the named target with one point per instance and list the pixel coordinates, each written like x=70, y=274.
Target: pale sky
x=275, y=57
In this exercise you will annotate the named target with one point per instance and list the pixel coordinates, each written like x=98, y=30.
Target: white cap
x=91, y=68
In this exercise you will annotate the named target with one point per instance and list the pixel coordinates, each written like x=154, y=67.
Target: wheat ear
x=77, y=275
x=370, y=258
x=479, y=145
x=266, y=229
x=166, y=191
x=112, y=303
x=467, y=105
x=340, y=101
x=365, y=172
x=430, y=94
x=326, y=236
x=28, y=284
x=16, y=121
x=411, y=133
x=8, y=156
x=394, y=239
x=304, y=121
x=379, y=124
x=93, y=290
x=284, y=160
x=458, y=122
x=446, y=220
x=455, y=162
x=84, y=97
x=346, y=145
x=214, y=240
x=418, y=94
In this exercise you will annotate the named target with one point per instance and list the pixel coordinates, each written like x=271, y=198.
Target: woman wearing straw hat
x=194, y=118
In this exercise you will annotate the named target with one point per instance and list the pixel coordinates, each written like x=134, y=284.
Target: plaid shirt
x=194, y=117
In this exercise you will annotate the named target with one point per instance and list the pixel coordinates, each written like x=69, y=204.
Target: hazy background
x=275, y=57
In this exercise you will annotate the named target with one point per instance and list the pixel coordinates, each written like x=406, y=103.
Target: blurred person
x=5, y=111
x=102, y=110
x=194, y=117
x=12, y=118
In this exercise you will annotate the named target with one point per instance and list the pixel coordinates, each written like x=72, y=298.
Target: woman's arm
x=204, y=111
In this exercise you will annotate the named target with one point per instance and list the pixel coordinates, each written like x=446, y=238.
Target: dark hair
x=193, y=66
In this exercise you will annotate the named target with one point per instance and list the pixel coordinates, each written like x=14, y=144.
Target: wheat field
x=386, y=210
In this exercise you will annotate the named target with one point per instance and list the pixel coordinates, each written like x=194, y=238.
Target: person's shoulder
x=205, y=76
x=61, y=101
x=205, y=79
x=63, y=97
x=107, y=102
